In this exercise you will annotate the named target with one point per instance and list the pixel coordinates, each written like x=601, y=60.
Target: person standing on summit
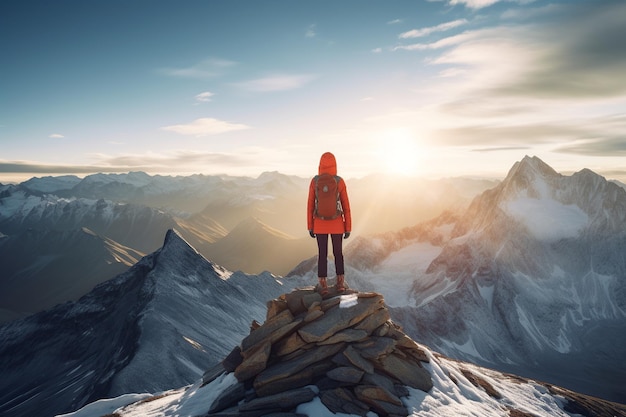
x=328, y=213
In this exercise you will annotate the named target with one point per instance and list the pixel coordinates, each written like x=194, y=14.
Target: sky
x=428, y=88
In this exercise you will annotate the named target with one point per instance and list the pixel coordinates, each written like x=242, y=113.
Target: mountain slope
x=155, y=326
x=45, y=268
x=536, y=273
x=253, y=247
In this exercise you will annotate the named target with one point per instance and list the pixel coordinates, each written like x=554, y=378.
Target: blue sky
x=428, y=88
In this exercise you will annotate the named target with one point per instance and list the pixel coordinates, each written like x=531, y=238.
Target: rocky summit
x=343, y=348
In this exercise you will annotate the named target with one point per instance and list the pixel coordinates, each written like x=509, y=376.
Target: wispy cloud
x=546, y=84
x=612, y=146
x=56, y=136
x=585, y=56
x=204, y=97
x=488, y=135
x=580, y=55
x=279, y=82
x=171, y=160
x=205, y=127
x=42, y=168
x=207, y=68
x=442, y=43
x=310, y=33
x=475, y=4
x=394, y=21
x=377, y=50
x=418, y=33
x=533, y=12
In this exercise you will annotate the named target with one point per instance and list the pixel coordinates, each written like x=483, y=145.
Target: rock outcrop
x=342, y=348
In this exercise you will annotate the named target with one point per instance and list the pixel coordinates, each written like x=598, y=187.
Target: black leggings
x=322, y=246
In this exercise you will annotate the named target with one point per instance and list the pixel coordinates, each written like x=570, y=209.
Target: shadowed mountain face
x=158, y=325
x=45, y=268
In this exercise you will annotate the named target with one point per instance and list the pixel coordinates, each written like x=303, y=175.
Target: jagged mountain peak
x=174, y=241
x=178, y=255
x=535, y=164
x=537, y=197
x=530, y=177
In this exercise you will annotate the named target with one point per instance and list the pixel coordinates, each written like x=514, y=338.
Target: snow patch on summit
x=547, y=219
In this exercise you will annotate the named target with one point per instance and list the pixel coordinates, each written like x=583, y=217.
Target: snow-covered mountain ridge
x=158, y=325
x=136, y=226
x=342, y=355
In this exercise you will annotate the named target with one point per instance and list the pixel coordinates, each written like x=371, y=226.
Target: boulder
x=337, y=319
x=299, y=301
x=376, y=347
x=313, y=315
x=284, y=369
x=347, y=335
x=407, y=371
x=275, y=323
x=233, y=360
x=228, y=398
x=276, y=306
x=283, y=401
x=346, y=374
x=374, y=320
x=357, y=360
x=341, y=400
x=254, y=362
x=300, y=379
x=289, y=344
x=377, y=393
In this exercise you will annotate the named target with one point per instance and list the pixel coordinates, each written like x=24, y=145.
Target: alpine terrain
x=342, y=355
x=530, y=279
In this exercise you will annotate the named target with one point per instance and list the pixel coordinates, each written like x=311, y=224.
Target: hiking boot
x=323, y=286
x=340, y=284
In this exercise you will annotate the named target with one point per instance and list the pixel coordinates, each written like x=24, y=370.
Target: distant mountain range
x=248, y=224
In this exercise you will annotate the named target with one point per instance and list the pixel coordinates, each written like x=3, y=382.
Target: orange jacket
x=341, y=224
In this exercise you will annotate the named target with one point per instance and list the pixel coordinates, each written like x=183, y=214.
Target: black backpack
x=327, y=204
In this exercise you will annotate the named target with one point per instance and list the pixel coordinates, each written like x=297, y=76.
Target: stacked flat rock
x=343, y=348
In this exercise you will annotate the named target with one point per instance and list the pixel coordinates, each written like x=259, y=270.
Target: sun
x=400, y=153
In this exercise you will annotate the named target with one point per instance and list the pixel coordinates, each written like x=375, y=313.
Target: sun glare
x=400, y=152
